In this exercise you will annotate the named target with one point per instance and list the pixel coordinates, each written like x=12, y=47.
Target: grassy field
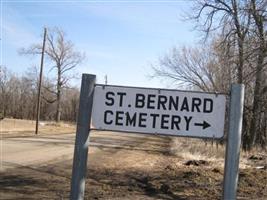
x=20, y=127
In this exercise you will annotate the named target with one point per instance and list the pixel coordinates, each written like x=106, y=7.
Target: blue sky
x=121, y=39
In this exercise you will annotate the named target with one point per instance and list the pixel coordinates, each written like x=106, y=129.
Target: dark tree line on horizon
x=18, y=97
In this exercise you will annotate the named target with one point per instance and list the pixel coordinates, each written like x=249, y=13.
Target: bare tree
x=18, y=92
x=242, y=25
x=3, y=84
x=258, y=10
x=238, y=54
x=188, y=67
x=61, y=52
x=230, y=20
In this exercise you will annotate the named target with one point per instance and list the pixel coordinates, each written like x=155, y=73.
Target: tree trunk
x=240, y=61
x=240, y=43
x=264, y=128
x=255, y=121
x=59, y=87
x=255, y=132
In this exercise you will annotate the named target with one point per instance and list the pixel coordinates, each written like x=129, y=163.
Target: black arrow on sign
x=204, y=124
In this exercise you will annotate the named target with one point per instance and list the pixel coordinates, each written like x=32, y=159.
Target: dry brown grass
x=198, y=149
x=20, y=127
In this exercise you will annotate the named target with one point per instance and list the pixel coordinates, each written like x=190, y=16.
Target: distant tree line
x=18, y=94
x=18, y=97
x=234, y=51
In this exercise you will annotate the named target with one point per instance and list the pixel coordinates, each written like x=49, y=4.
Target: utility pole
x=106, y=79
x=40, y=85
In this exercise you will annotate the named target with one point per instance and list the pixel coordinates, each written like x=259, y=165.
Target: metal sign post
x=82, y=137
x=157, y=111
x=233, y=142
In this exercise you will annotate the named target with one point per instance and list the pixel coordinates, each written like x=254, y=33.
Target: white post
x=82, y=137
x=231, y=166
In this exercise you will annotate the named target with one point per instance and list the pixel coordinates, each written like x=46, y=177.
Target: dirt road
x=41, y=149
x=34, y=150
x=29, y=161
x=120, y=166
